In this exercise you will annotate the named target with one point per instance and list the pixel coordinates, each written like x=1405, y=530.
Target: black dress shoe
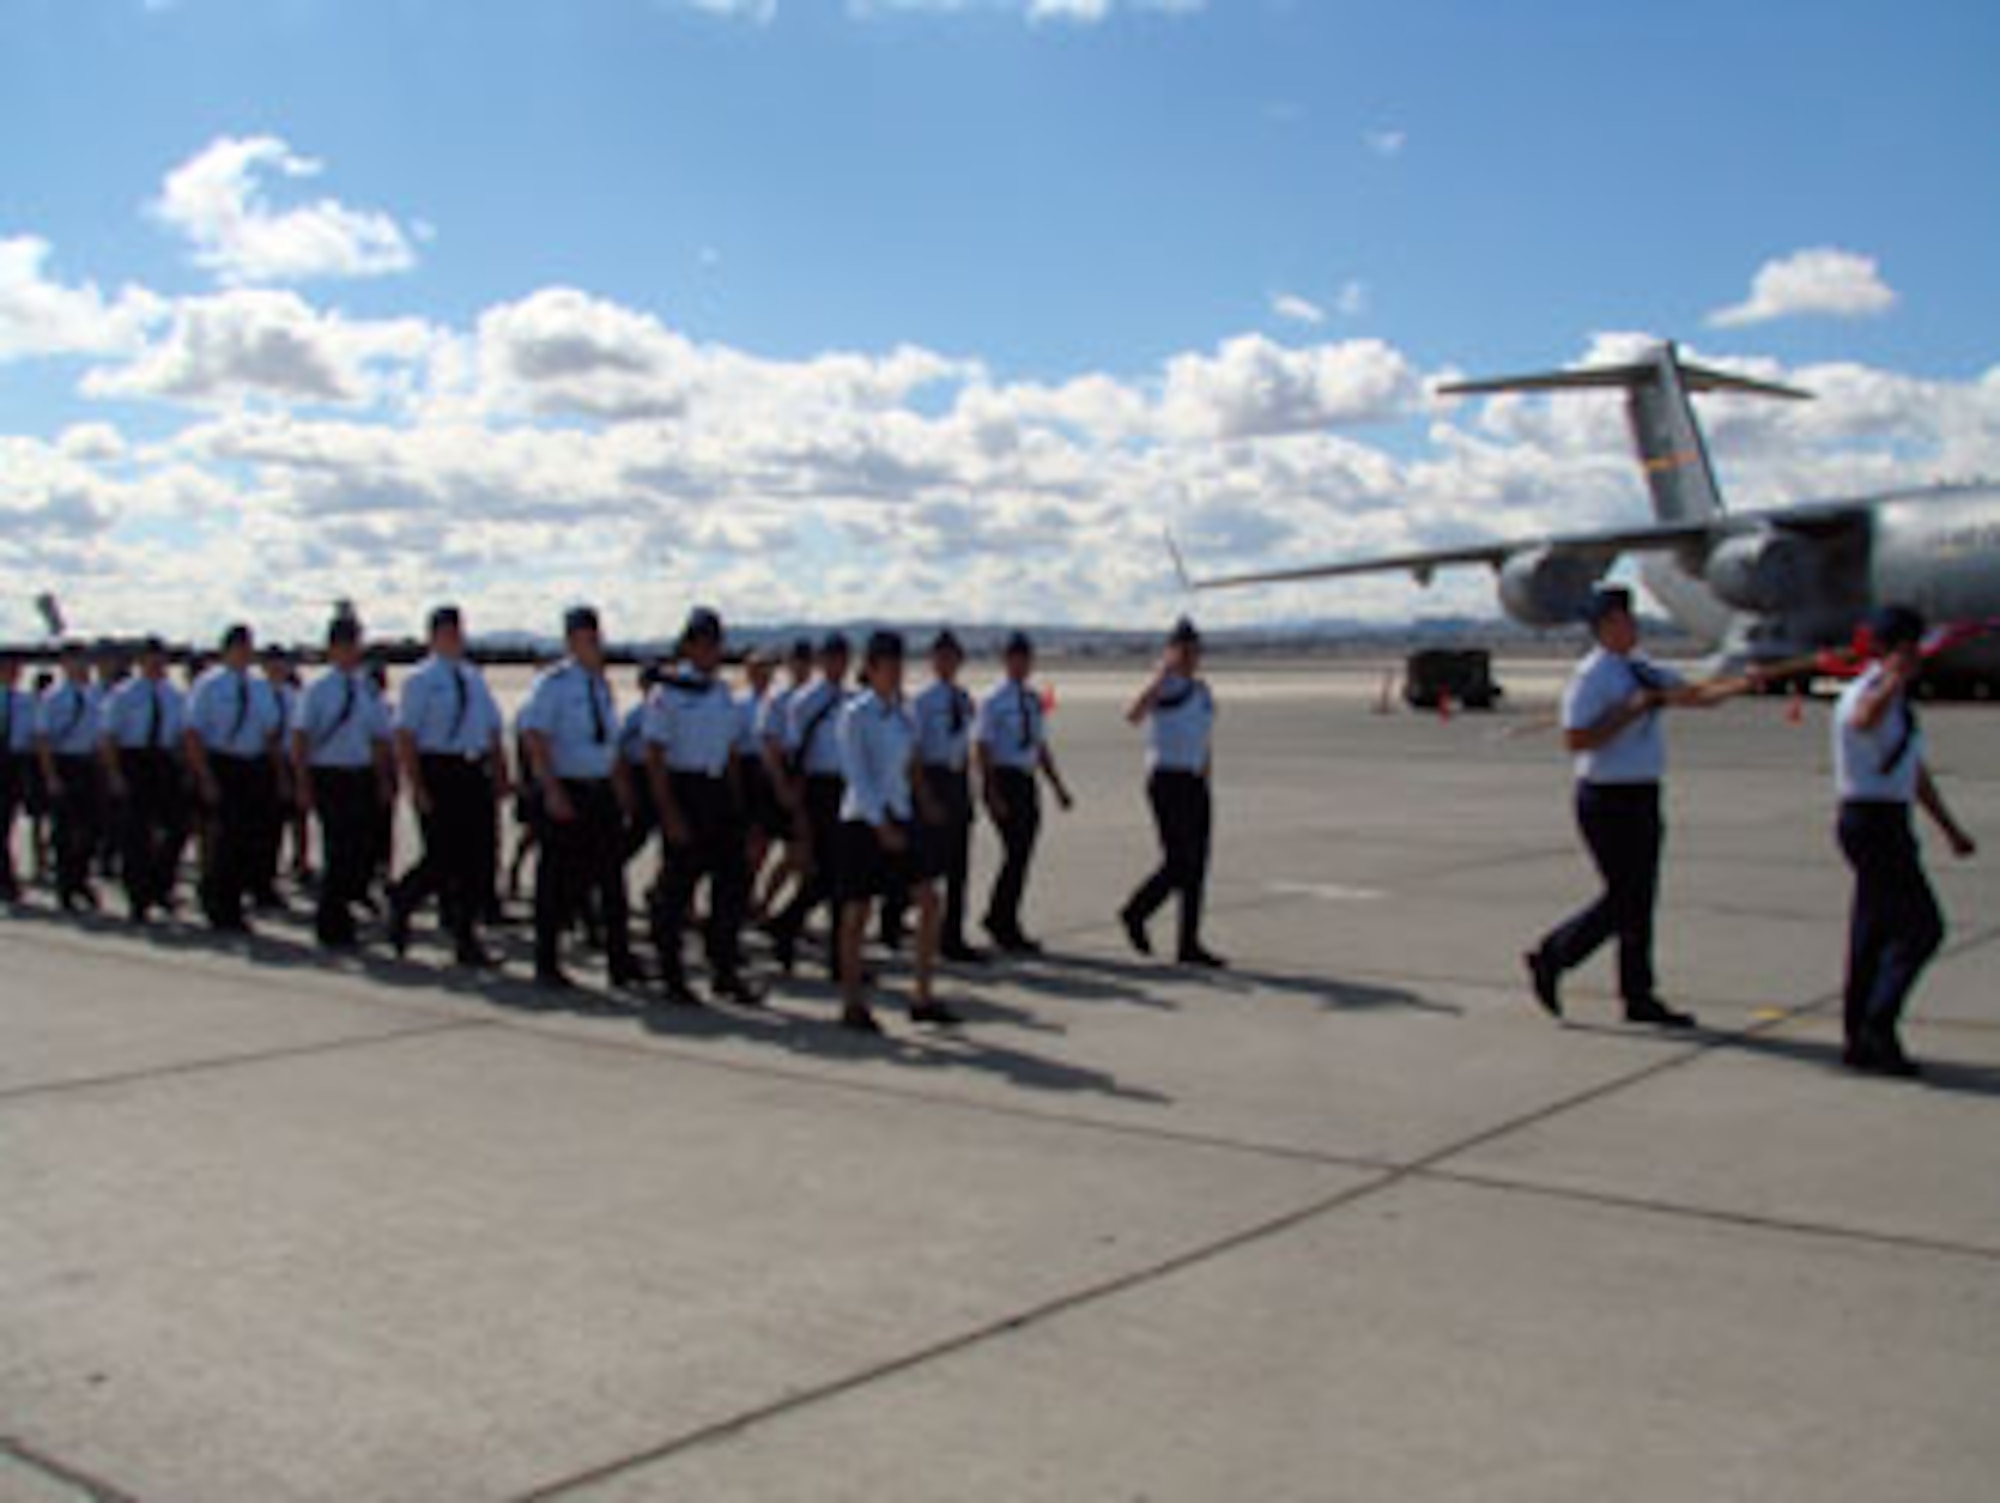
x=1135, y=931
x=399, y=931
x=1651, y=1010
x=474, y=958
x=1546, y=980
x=963, y=954
x=675, y=992
x=553, y=979
x=1202, y=959
x=936, y=1014
x=859, y=1019
x=739, y=990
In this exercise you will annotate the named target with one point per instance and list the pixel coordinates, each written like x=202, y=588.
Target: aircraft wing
x=1424, y=563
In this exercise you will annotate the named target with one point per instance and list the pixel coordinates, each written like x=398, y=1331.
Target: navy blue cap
x=1018, y=645
x=885, y=645
x=703, y=625
x=150, y=647
x=236, y=636
x=947, y=641
x=1185, y=633
x=1893, y=626
x=446, y=617
x=1607, y=600
x=836, y=645
x=802, y=649
x=579, y=618
x=343, y=631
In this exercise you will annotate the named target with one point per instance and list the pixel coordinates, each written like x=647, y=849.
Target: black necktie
x=957, y=711
x=464, y=703
x=598, y=729
x=1894, y=757
x=1027, y=718
x=153, y=717
x=242, y=706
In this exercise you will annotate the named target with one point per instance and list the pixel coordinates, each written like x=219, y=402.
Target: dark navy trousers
x=1895, y=926
x=1622, y=827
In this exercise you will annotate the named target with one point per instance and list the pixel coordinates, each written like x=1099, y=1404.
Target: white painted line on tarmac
x=1326, y=892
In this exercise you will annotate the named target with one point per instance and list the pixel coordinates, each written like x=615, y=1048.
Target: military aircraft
x=1758, y=587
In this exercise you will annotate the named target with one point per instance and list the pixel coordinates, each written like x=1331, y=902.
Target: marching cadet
x=774, y=720
x=66, y=741
x=1895, y=926
x=693, y=729
x=232, y=745
x=280, y=684
x=570, y=725
x=1178, y=711
x=17, y=746
x=1611, y=725
x=144, y=719
x=883, y=848
x=1013, y=747
x=763, y=815
x=944, y=715
x=342, y=771
x=644, y=821
x=813, y=769
x=448, y=743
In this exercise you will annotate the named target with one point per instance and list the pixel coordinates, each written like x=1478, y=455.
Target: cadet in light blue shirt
x=1895, y=925
x=883, y=852
x=66, y=730
x=570, y=726
x=1610, y=721
x=454, y=763
x=145, y=713
x=945, y=716
x=343, y=772
x=233, y=726
x=1012, y=738
x=693, y=728
x=1178, y=712
x=140, y=749
x=813, y=775
x=17, y=743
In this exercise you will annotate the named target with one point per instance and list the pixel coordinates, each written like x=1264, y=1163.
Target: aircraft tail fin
x=1667, y=435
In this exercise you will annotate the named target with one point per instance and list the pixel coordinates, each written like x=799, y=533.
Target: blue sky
x=1034, y=201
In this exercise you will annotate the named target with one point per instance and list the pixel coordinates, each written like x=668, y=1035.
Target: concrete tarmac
x=1351, y=1221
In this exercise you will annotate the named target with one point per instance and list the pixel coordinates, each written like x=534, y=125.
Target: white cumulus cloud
x=1823, y=282
x=40, y=316
x=1253, y=387
x=216, y=199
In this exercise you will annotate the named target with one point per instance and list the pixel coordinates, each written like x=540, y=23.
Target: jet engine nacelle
x=1763, y=572
x=1550, y=586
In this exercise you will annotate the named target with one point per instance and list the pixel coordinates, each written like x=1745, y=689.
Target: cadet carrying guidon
x=1178, y=710
x=1012, y=738
x=66, y=726
x=234, y=727
x=1895, y=925
x=143, y=722
x=1611, y=726
x=693, y=729
x=569, y=724
x=454, y=763
x=343, y=773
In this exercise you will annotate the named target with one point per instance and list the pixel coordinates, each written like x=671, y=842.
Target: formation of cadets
x=771, y=805
x=823, y=794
